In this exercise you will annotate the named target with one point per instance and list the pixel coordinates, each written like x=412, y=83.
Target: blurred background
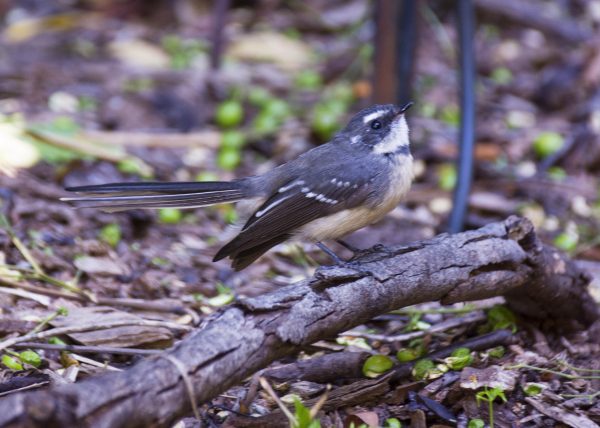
x=93, y=91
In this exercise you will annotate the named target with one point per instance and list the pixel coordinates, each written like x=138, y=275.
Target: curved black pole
x=406, y=37
x=466, y=29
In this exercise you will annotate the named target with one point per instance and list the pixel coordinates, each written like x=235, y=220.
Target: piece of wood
x=531, y=14
x=503, y=258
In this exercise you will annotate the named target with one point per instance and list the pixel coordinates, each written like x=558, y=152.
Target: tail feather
x=124, y=196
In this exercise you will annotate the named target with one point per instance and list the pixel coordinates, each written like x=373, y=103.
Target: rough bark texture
x=500, y=259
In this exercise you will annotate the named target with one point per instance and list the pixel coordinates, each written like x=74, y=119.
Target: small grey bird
x=326, y=193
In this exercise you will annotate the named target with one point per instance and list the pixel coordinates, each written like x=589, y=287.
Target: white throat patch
x=396, y=138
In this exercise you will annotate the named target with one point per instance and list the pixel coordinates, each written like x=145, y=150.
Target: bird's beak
x=405, y=107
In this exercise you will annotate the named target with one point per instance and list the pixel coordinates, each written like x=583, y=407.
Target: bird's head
x=381, y=128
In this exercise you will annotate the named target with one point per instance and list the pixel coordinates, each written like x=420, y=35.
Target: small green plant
x=501, y=75
x=497, y=352
x=224, y=297
x=303, y=417
x=229, y=158
x=500, y=317
x=476, y=423
x=14, y=361
x=415, y=323
x=169, y=215
x=308, y=80
x=547, y=143
x=393, y=423
x=532, y=388
x=375, y=365
x=566, y=241
x=459, y=359
x=229, y=113
x=426, y=369
x=447, y=176
x=489, y=395
x=232, y=140
x=273, y=112
x=111, y=234
x=183, y=52
x=415, y=350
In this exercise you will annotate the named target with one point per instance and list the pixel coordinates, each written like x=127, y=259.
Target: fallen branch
x=500, y=259
x=529, y=14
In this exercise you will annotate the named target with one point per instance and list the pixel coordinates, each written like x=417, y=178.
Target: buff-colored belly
x=339, y=224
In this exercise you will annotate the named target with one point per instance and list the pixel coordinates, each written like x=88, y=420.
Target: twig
x=82, y=349
x=554, y=372
x=41, y=290
x=437, y=328
x=93, y=327
x=4, y=224
x=42, y=300
x=267, y=387
x=150, y=305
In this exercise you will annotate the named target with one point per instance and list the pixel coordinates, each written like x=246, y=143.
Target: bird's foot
x=339, y=263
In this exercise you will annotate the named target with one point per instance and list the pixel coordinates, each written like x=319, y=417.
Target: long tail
x=126, y=196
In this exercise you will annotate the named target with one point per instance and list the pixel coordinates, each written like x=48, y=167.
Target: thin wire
x=465, y=24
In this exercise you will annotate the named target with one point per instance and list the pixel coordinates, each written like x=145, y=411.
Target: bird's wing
x=296, y=204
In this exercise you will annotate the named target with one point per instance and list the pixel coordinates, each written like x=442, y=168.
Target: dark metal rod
x=466, y=29
x=406, y=36
x=219, y=17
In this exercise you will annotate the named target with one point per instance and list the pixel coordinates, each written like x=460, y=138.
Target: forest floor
x=124, y=91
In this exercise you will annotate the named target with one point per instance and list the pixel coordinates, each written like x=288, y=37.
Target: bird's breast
x=343, y=222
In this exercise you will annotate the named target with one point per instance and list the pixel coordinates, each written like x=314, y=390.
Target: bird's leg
x=330, y=253
x=348, y=246
x=342, y=263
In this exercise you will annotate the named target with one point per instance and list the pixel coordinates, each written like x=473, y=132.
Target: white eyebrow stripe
x=374, y=115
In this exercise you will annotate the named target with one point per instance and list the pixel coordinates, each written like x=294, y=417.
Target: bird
x=327, y=192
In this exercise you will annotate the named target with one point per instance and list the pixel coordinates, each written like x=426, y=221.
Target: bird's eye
x=375, y=124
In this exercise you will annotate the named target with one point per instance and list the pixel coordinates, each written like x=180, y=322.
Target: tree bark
x=500, y=259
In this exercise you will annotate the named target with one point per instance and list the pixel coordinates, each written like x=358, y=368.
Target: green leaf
x=476, y=423
x=229, y=113
x=31, y=358
x=56, y=341
x=459, y=359
x=501, y=75
x=497, y=352
x=393, y=423
x=500, y=317
x=232, y=140
x=407, y=354
x=548, y=143
x=447, y=176
x=450, y=115
x=422, y=369
x=229, y=158
x=277, y=108
x=111, y=234
x=265, y=124
x=169, y=215
x=308, y=80
x=566, y=241
x=11, y=362
x=376, y=365
x=302, y=414
x=207, y=176
x=258, y=96
x=532, y=388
